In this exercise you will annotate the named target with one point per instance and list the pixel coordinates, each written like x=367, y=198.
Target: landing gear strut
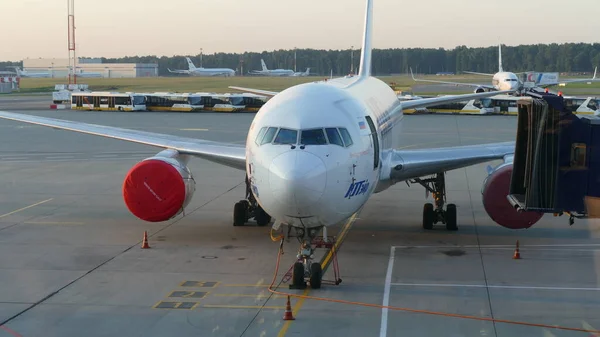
x=305, y=268
x=436, y=185
x=249, y=208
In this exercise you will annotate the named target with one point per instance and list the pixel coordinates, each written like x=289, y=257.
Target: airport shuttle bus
x=108, y=101
x=250, y=102
x=175, y=102
x=507, y=105
x=222, y=103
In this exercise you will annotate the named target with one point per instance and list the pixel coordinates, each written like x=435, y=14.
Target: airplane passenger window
x=268, y=135
x=260, y=135
x=334, y=137
x=346, y=137
x=286, y=136
x=313, y=137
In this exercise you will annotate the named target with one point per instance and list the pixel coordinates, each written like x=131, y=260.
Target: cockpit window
x=268, y=135
x=334, y=137
x=286, y=136
x=313, y=137
x=346, y=137
x=260, y=135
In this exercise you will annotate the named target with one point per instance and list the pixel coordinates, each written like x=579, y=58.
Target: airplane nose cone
x=297, y=180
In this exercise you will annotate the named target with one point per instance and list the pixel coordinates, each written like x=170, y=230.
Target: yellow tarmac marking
x=193, y=129
x=225, y=306
x=24, y=208
x=53, y=223
x=249, y=295
x=324, y=265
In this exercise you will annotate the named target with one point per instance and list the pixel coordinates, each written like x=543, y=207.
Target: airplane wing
x=410, y=164
x=476, y=73
x=425, y=102
x=232, y=155
x=593, y=79
x=178, y=71
x=487, y=86
x=257, y=91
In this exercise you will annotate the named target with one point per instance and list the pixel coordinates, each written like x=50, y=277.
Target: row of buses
x=507, y=105
x=182, y=102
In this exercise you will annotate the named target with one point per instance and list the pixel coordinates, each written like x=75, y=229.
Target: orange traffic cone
x=517, y=254
x=287, y=316
x=145, y=244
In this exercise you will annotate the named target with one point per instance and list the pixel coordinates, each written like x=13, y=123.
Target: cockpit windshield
x=320, y=136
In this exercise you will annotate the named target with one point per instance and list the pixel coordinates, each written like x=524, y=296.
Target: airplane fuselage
x=212, y=72
x=307, y=181
x=505, y=80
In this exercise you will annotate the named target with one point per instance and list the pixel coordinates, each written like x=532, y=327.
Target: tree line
x=568, y=57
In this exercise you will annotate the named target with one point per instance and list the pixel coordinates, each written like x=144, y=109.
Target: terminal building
x=90, y=67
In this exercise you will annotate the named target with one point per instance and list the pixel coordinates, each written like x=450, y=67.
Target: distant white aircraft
x=302, y=73
x=24, y=73
x=193, y=71
x=503, y=80
x=314, y=154
x=87, y=74
x=271, y=72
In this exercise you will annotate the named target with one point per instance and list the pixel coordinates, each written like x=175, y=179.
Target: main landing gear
x=436, y=185
x=249, y=208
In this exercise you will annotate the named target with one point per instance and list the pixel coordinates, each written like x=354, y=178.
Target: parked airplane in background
x=308, y=169
x=504, y=80
x=193, y=71
x=87, y=74
x=273, y=72
x=24, y=73
x=501, y=81
x=302, y=74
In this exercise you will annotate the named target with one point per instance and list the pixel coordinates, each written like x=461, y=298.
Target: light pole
x=294, y=59
x=200, y=57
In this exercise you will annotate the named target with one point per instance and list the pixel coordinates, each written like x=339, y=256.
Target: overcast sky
x=114, y=28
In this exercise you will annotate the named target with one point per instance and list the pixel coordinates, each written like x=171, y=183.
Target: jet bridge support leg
x=436, y=185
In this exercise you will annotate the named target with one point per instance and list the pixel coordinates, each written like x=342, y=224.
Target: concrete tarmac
x=70, y=262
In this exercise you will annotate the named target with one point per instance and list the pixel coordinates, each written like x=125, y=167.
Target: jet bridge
x=556, y=166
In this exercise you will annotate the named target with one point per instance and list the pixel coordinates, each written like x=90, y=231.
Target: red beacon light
x=560, y=93
x=546, y=90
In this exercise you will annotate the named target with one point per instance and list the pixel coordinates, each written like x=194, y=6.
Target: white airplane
x=308, y=169
x=25, y=73
x=501, y=81
x=87, y=74
x=302, y=73
x=193, y=71
x=271, y=72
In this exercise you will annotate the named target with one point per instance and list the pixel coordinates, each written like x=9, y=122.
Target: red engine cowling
x=494, y=192
x=158, y=188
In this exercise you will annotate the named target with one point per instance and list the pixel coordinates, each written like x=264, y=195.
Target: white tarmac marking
x=386, y=293
x=491, y=286
x=60, y=157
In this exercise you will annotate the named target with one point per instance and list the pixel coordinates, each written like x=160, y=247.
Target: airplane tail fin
x=595, y=70
x=18, y=70
x=365, y=56
x=264, y=65
x=307, y=71
x=500, y=58
x=191, y=65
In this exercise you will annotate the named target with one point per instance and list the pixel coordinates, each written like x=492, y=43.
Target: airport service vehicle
x=314, y=154
x=108, y=101
x=193, y=71
x=507, y=105
x=272, y=72
x=505, y=80
x=174, y=102
x=244, y=102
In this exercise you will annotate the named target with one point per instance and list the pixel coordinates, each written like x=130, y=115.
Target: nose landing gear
x=249, y=208
x=437, y=186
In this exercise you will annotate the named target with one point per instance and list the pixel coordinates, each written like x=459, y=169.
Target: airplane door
x=375, y=142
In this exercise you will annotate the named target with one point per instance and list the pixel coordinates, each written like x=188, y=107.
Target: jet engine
x=494, y=192
x=160, y=187
x=479, y=89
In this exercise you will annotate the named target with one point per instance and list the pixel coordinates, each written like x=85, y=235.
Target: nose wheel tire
x=316, y=275
x=298, y=275
x=428, y=216
x=451, y=217
x=262, y=218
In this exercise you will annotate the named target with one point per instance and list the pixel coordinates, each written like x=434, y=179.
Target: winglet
x=365, y=56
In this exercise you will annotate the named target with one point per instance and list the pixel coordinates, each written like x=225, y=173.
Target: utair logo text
x=357, y=188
